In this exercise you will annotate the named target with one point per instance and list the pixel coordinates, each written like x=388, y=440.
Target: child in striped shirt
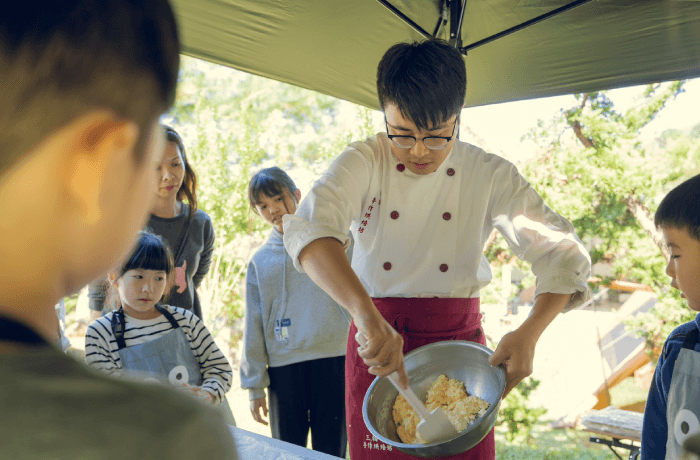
x=152, y=341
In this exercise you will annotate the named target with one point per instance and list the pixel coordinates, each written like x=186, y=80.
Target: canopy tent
x=333, y=46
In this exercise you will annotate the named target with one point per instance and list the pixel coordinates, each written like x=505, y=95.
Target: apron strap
x=118, y=327
x=168, y=315
x=401, y=328
x=691, y=338
x=119, y=324
x=14, y=331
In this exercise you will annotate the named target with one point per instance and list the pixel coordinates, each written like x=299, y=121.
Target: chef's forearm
x=547, y=307
x=325, y=262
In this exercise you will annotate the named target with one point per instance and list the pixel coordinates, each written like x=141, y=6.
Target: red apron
x=420, y=322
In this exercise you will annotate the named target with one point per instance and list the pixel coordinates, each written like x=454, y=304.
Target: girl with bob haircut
x=144, y=338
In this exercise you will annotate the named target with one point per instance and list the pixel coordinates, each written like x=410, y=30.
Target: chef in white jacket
x=421, y=205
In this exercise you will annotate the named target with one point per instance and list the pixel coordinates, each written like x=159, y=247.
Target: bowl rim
x=500, y=369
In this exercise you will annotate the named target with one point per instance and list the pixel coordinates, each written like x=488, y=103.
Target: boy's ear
x=113, y=279
x=98, y=141
x=297, y=194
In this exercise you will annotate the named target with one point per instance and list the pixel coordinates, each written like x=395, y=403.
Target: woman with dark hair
x=174, y=217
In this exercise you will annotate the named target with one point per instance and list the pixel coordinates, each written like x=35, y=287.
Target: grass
x=627, y=393
x=549, y=444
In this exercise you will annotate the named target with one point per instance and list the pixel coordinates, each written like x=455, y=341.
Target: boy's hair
x=681, y=208
x=426, y=80
x=270, y=182
x=150, y=253
x=61, y=59
x=188, y=189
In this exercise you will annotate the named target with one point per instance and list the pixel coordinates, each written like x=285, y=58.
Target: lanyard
x=14, y=331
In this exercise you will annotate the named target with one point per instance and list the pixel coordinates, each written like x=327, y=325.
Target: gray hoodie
x=288, y=318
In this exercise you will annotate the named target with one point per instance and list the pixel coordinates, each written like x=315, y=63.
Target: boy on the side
x=83, y=85
x=672, y=414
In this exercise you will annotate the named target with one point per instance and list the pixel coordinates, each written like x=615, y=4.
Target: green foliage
x=657, y=324
x=551, y=445
x=234, y=124
x=593, y=170
x=71, y=303
x=627, y=393
x=517, y=415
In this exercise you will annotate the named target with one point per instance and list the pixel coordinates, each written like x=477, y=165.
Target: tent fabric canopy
x=334, y=46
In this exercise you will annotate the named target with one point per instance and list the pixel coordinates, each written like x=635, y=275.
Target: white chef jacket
x=423, y=235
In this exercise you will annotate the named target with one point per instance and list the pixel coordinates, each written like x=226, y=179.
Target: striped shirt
x=101, y=350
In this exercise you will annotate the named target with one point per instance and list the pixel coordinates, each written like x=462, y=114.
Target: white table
x=252, y=446
x=615, y=423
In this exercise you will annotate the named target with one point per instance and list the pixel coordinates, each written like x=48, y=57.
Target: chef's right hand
x=255, y=406
x=383, y=351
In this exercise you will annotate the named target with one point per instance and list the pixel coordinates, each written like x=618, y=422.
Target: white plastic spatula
x=434, y=426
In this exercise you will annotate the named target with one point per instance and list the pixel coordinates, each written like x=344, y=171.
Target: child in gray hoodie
x=295, y=334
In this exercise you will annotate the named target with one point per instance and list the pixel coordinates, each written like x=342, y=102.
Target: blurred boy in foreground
x=83, y=85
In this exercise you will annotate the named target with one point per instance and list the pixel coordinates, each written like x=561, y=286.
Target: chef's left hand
x=516, y=351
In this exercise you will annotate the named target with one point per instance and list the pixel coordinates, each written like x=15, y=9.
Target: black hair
x=681, y=208
x=150, y=253
x=61, y=59
x=270, y=182
x=188, y=189
x=426, y=80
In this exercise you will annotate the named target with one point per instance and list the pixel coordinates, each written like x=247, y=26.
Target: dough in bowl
x=461, y=409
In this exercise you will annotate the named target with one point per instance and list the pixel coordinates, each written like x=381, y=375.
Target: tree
x=593, y=170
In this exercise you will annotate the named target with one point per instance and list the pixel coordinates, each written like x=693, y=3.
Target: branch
x=643, y=216
x=490, y=242
x=638, y=117
x=587, y=142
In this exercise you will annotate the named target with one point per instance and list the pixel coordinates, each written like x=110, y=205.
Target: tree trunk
x=643, y=216
x=588, y=143
x=576, y=126
x=491, y=240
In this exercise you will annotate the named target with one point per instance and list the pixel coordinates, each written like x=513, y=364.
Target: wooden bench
x=617, y=424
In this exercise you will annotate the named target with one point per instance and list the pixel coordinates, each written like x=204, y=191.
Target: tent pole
x=525, y=24
x=456, y=10
x=405, y=18
x=443, y=18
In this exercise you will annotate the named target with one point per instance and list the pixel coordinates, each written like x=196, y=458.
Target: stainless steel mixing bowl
x=458, y=359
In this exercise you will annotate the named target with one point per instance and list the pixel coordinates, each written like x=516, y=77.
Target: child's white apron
x=167, y=359
x=683, y=409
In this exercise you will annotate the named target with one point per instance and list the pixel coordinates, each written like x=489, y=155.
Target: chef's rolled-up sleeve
x=334, y=201
x=540, y=236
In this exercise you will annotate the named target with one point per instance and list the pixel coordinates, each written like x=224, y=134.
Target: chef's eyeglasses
x=431, y=142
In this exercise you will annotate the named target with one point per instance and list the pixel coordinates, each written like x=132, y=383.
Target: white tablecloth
x=252, y=446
